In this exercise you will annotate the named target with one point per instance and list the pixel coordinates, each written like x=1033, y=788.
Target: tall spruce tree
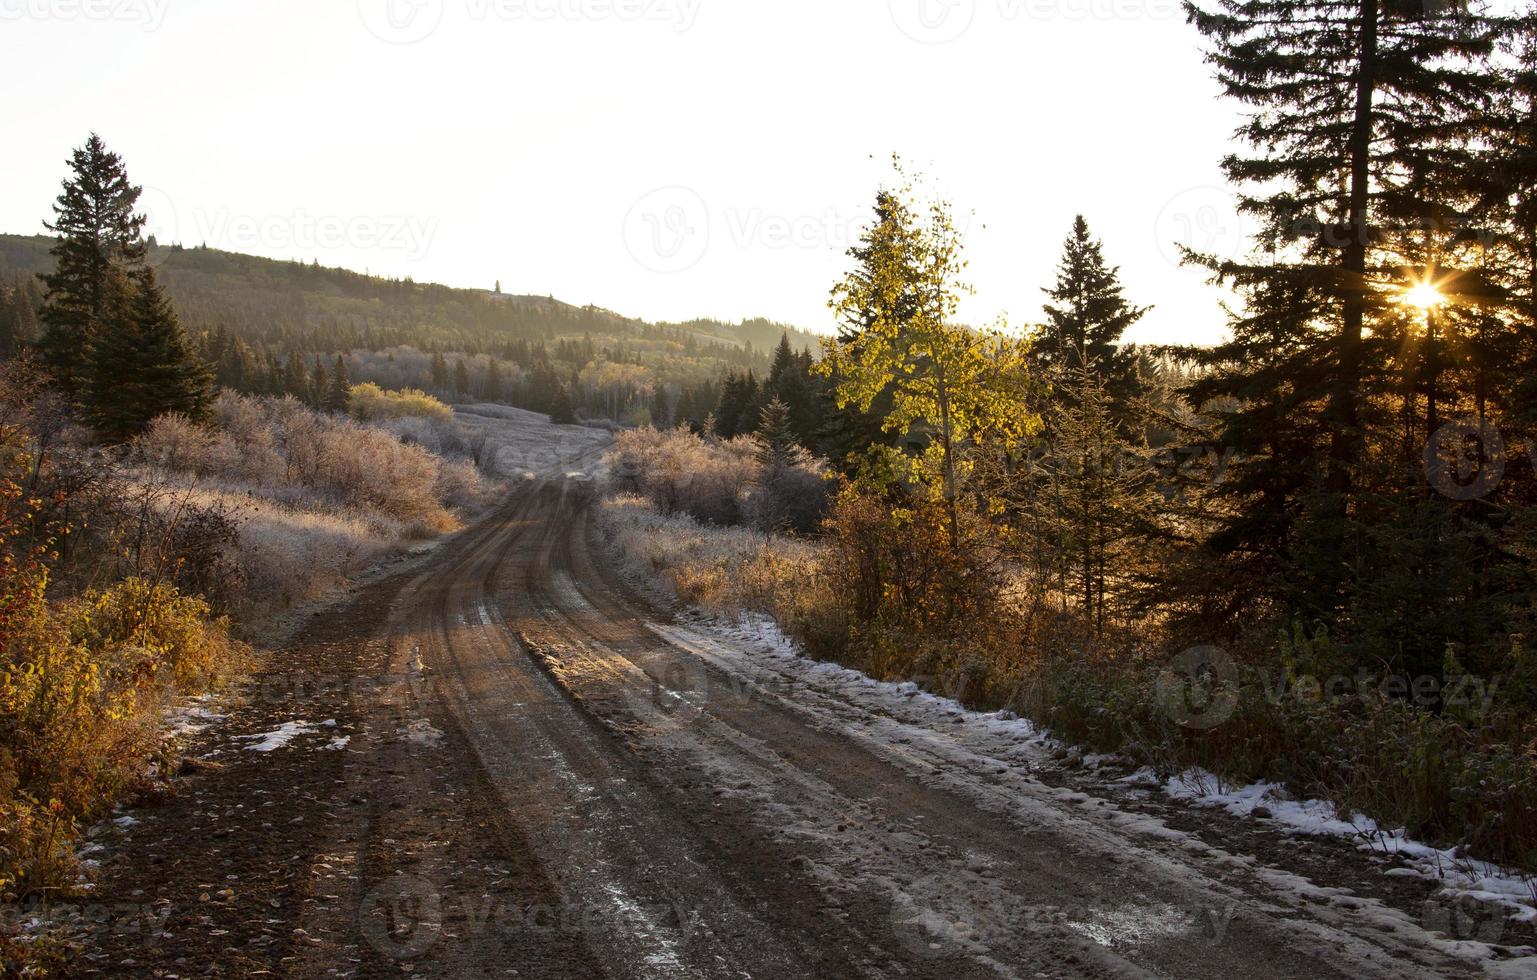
x=1088, y=313
x=736, y=415
x=439, y=372
x=1088, y=495
x=790, y=381
x=339, y=389
x=99, y=250
x=1510, y=193
x=1354, y=162
x=562, y=411
x=319, y=385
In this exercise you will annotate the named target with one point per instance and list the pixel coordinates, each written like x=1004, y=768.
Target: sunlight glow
x=1424, y=296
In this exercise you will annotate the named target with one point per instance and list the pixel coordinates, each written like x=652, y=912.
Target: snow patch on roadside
x=921, y=706
x=281, y=736
x=1458, y=874
x=192, y=715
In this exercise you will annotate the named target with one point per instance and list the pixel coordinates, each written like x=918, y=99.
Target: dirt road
x=507, y=762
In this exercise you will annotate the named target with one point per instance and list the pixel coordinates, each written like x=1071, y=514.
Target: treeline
x=264, y=326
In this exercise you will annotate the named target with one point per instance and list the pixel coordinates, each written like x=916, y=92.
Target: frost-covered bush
x=460, y=485
x=315, y=498
x=716, y=481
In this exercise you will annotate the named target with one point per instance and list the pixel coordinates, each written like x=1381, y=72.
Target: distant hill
x=255, y=315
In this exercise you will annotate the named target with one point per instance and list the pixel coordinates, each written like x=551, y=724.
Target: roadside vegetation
x=1302, y=556
x=153, y=527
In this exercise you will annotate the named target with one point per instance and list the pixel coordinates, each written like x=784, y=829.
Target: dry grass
x=316, y=499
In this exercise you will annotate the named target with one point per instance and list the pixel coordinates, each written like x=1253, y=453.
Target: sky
x=665, y=159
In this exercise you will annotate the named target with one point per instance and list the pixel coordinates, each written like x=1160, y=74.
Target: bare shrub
x=460, y=485
x=715, y=481
x=175, y=442
x=790, y=498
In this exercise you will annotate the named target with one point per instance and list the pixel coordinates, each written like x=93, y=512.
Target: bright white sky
x=662, y=158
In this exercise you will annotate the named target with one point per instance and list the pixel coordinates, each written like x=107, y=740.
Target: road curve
x=689, y=819
x=505, y=760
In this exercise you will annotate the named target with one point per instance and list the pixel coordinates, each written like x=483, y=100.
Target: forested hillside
x=270, y=327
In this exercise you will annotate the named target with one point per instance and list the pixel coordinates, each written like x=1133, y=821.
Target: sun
x=1423, y=296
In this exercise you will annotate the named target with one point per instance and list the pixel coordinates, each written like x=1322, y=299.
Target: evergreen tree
x=735, y=415
x=778, y=449
x=1090, y=495
x=662, y=411
x=98, y=252
x=461, y=379
x=439, y=372
x=339, y=392
x=319, y=385
x=1088, y=314
x=1509, y=198
x=784, y=361
x=493, y=383
x=142, y=366
x=1356, y=163
x=561, y=410
x=295, y=378
x=1086, y=318
x=789, y=381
